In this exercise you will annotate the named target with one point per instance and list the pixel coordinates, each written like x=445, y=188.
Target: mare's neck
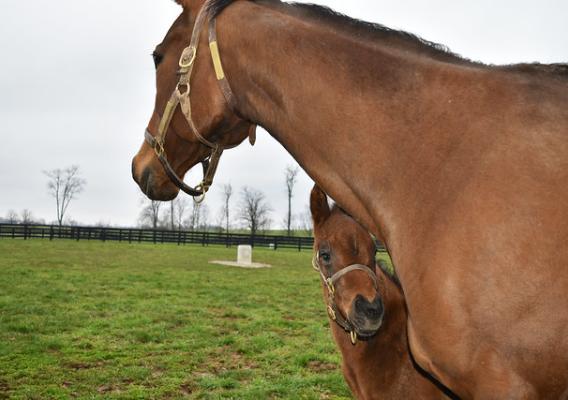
x=347, y=109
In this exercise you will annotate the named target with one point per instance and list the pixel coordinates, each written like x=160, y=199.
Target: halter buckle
x=187, y=57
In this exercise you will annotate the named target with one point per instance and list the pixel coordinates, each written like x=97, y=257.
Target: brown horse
x=380, y=367
x=461, y=167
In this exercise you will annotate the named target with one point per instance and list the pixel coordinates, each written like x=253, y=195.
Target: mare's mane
x=374, y=31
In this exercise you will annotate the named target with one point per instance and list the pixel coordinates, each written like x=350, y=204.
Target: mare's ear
x=190, y=4
x=319, y=206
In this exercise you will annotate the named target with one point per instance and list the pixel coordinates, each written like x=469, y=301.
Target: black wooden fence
x=132, y=235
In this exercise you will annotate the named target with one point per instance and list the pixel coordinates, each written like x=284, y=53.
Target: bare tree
x=227, y=193
x=27, y=216
x=150, y=214
x=254, y=211
x=199, y=217
x=204, y=218
x=291, y=178
x=172, y=215
x=12, y=217
x=64, y=185
x=304, y=221
x=180, y=206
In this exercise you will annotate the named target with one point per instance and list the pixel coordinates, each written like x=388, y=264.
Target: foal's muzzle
x=367, y=317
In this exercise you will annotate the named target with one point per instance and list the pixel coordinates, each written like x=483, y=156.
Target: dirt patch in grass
x=4, y=390
x=321, y=366
x=186, y=389
x=79, y=365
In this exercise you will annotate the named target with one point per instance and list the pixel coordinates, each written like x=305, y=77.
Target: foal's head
x=342, y=246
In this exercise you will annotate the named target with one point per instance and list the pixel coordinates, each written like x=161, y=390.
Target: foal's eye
x=157, y=59
x=325, y=256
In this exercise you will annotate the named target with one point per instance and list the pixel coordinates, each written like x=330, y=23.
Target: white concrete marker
x=244, y=259
x=244, y=254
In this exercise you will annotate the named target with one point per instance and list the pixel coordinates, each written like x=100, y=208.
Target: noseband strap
x=330, y=282
x=181, y=97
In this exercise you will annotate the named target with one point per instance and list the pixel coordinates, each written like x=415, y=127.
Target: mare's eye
x=157, y=59
x=325, y=256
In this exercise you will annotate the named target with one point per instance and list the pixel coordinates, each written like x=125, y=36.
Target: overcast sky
x=77, y=87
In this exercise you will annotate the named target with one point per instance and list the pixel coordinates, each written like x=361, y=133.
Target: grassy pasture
x=111, y=320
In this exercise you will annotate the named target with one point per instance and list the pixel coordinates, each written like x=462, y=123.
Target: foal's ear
x=319, y=206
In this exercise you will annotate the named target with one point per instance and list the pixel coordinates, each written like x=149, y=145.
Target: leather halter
x=181, y=97
x=330, y=282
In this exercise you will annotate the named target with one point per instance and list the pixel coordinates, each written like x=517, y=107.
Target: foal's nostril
x=372, y=311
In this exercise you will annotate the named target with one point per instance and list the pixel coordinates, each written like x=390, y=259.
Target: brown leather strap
x=181, y=97
x=169, y=170
x=354, y=267
x=330, y=282
x=218, y=65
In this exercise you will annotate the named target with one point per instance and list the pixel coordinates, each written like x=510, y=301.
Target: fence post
x=103, y=234
x=276, y=243
x=78, y=233
x=51, y=232
x=299, y=244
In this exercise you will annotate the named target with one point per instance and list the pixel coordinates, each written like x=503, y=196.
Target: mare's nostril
x=145, y=178
x=133, y=167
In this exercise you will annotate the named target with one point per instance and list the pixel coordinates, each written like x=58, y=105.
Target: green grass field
x=111, y=320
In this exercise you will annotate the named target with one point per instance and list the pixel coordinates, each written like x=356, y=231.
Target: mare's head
x=205, y=92
x=340, y=243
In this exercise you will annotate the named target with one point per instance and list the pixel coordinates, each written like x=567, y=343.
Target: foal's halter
x=330, y=282
x=181, y=97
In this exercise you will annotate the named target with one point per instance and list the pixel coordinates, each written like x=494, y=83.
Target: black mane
x=359, y=27
x=375, y=31
x=216, y=7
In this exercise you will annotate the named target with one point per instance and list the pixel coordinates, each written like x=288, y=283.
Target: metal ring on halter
x=181, y=94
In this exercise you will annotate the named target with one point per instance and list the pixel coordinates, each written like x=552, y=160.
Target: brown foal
x=460, y=168
x=378, y=365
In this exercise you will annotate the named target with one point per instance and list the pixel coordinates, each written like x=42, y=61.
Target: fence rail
x=133, y=235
